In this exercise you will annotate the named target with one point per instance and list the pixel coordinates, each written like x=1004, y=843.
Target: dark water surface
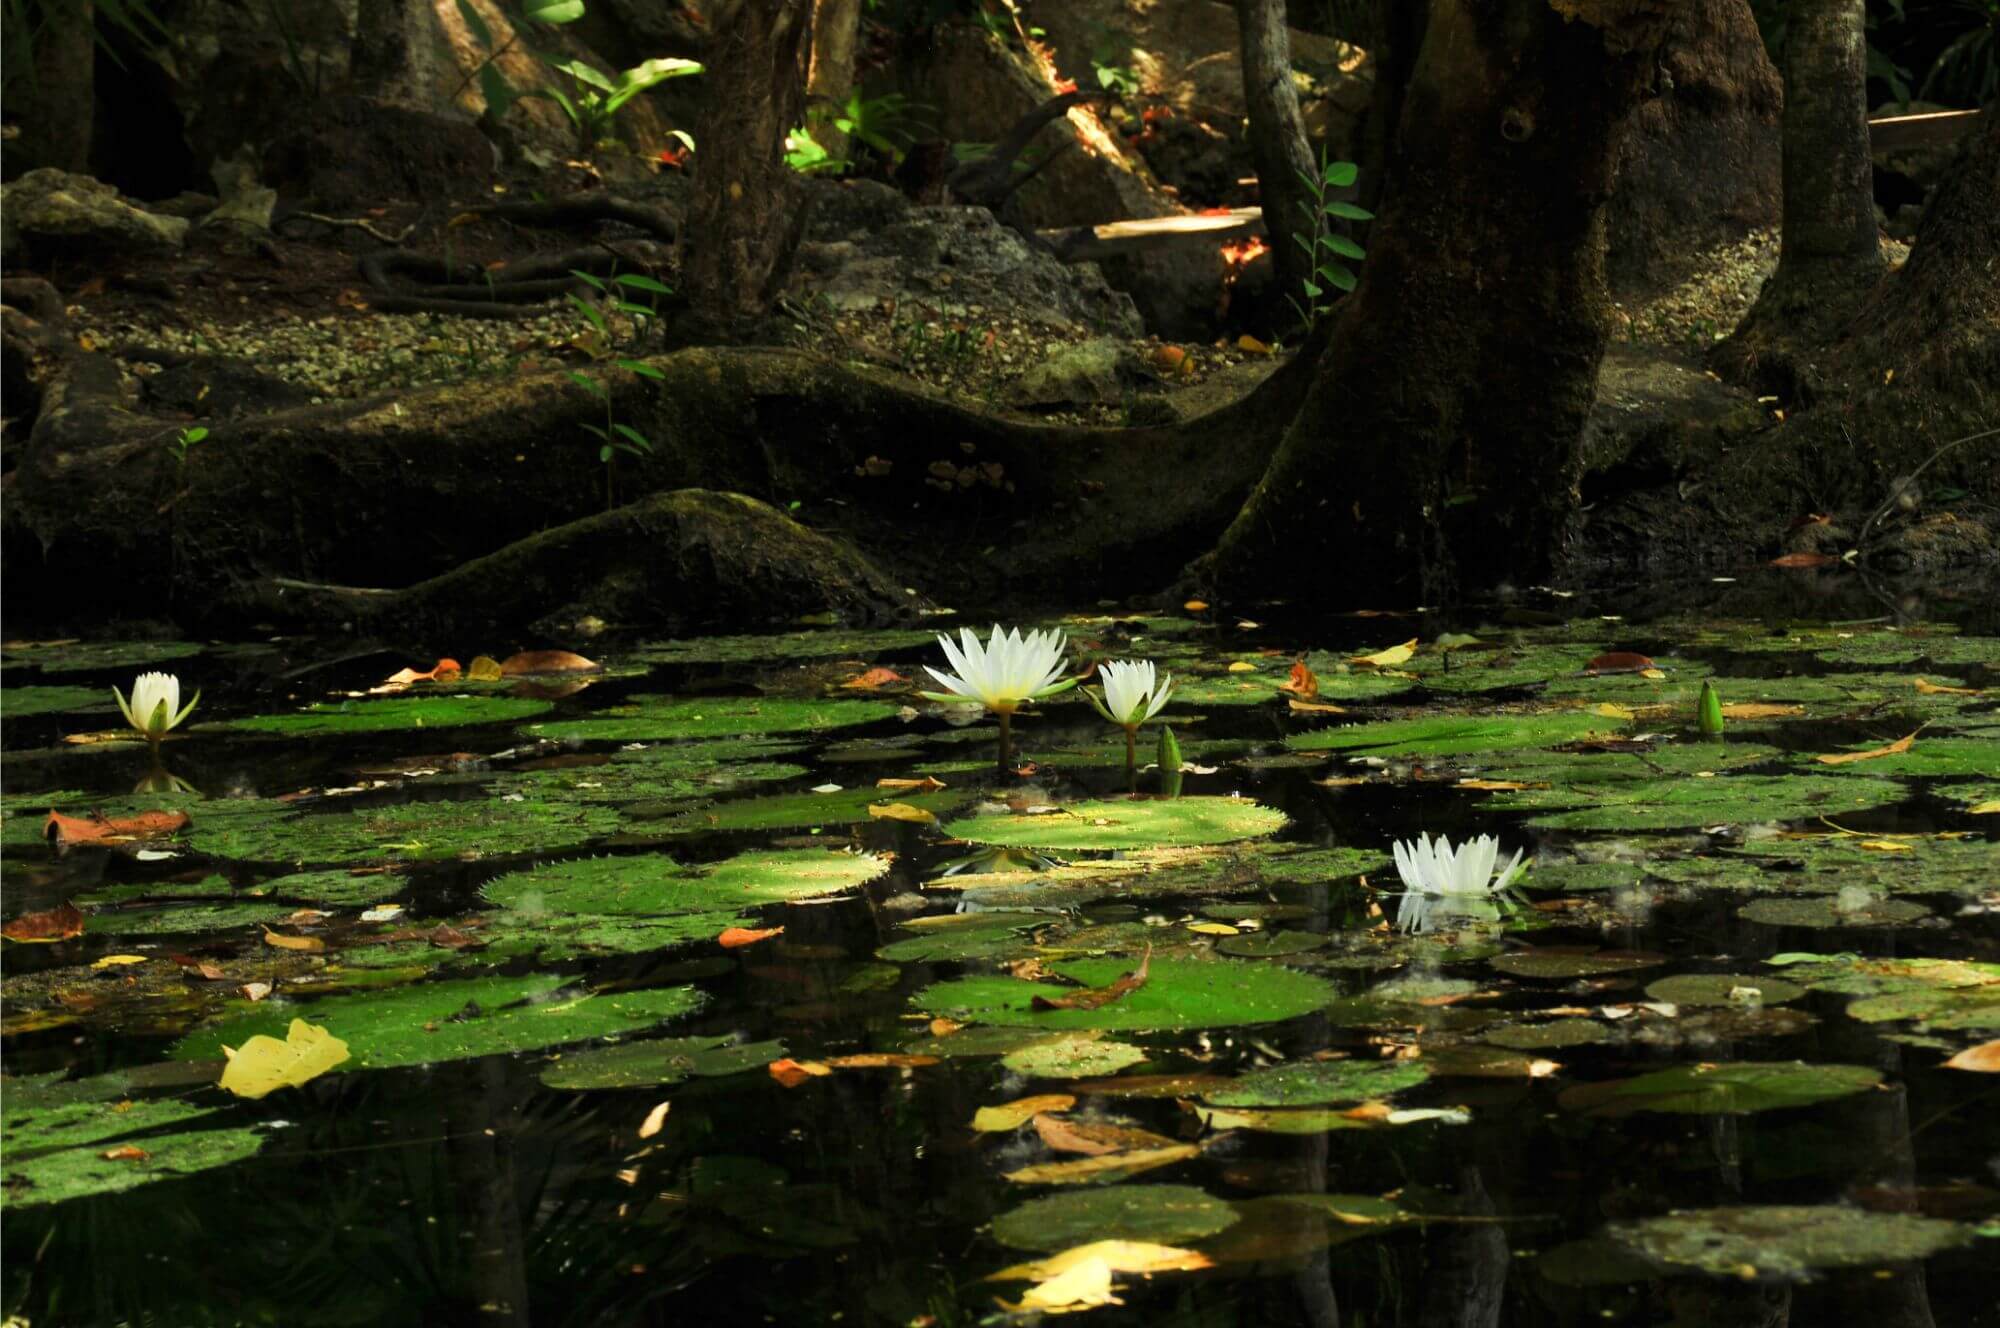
x=467, y=1191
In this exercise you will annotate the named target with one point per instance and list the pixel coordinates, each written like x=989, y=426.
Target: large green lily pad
x=792, y=811
x=1126, y=823
x=398, y=832
x=1178, y=993
x=657, y=885
x=1723, y=989
x=1319, y=1083
x=1786, y=1242
x=84, y=656
x=1724, y=800
x=1458, y=735
x=1161, y=1214
x=390, y=714
x=1732, y=1089
x=1840, y=910
x=24, y=702
x=662, y=718
x=776, y=647
x=1566, y=964
x=658, y=1062
x=447, y=1021
x=1926, y=756
x=1831, y=864
x=1073, y=1058
x=55, y=1133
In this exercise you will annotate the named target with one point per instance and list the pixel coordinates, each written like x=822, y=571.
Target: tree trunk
x=745, y=222
x=394, y=57
x=1830, y=257
x=1441, y=437
x=836, y=25
x=1278, y=140
x=1401, y=24
x=54, y=95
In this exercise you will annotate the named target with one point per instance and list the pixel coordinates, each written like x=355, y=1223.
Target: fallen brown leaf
x=879, y=1060
x=734, y=937
x=1804, y=560
x=1092, y=998
x=1094, y=1139
x=547, y=661
x=66, y=831
x=792, y=1073
x=1982, y=1059
x=292, y=942
x=878, y=676
x=1618, y=661
x=47, y=927
x=1901, y=744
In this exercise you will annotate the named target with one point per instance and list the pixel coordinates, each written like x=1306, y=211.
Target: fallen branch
x=1900, y=488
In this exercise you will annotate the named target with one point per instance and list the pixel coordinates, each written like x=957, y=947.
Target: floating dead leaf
x=874, y=678
x=547, y=661
x=1103, y=1168
x=1013, y=1115
x=1317, y=708
x=1196, y=606
x=284, y=942
x=125, y=1153
x=484, y=668
x=901, y=811
x=1987, y=808
x=1212, y=928
x=1494, y=785
x=1083, y=1286
x=67, y=831
x=255, y=991
x=47, y=927
x=447, y=937
x=1123, y=1256
x=263, y=1065
x=879, y=1060
x=1094, y=1138
x=1901, y=744
x=1248, y=343
x=196, y=968
x=1092, y=998
x=655, y=1121
x=1386, y=659
x=1804, y=560
x=1888, y=846
x=792, y=1073
x=1303, y=684
x=1242, y=666
x=1982, y=1059
x=943, y=1027
x=441, y=671
x=925, y=785
x=1939, y=689
x=1761, y=710
x=1618, y=661
x=733, y=938
x=117, y=961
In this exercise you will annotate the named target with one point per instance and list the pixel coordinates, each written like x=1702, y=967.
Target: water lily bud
x=1709, y=717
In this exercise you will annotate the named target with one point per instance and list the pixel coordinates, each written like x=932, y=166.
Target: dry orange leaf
x=1086, y=1170
x=925, y=785
x=1196, y=606
x=879, y=676
x=47, y=927
x=438, y=672
x=879, y=1060
x=1249, y=343
x=1804, y=560
x=64, y=831
x=1618, y=661
x=792, y=1073
x=1384, y=659
x=735, y=937
x=1982, y=1059
x=547, y=661
x=1493, y=785
x=1760, y=710
x=1317, y=708
x=1303, y=684
x=293, y=942
x=1901, y=744
x=127, y=1153
x=900, y=811
x=1939, y=689
x=1093, y=1139
x=1013, y=1115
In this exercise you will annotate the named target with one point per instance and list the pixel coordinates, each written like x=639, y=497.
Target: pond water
x=1692, y=1069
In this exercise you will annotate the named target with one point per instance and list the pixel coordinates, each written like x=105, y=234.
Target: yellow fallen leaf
x=114, y=961
x=927, y=784
x=1493, y=785
x=1013, y=1115
x=1103, y=1166
x=1987, y=808
x=283, y=942
x=1760, y=710
x=1939, y=689
x=1653, y=674
x=484, y=668
x=1984, y=1059
x=1212, y=928
x=1196, y=606
x=1383, y=659
x=1085, y=1286
x=1251, y=344
x=1887, y=846
x=264, y=1064
x=1612, y=710
x=901, y=811
x=1317, y=708
x=1901, y=744
x=655, y=1121
x=1123, y=1256
x=1241, y=666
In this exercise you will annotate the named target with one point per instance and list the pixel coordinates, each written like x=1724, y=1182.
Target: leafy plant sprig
x=1327, y=248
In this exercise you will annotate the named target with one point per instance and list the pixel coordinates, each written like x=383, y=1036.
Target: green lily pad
x=1960, y=1009
x=54, y=1134
x=447, y=1021
x=962, y=936
x=1927, y=756
x=1458, y=735
x=1832, y=864
x=181, y=919
x=1162, y=1214
x=1319, y=1083
x=1271, y=944
x=1126, y=824
x=1549, y=1035
x=656, y=885
x=23, y=702
x=1520, y=665
x=1178, y=993
x=400, y=832
x=1725, y=799
x=659, y=1062
x=1730, y=1089
x=390, y=714
x=1833, y=911
x=333, y=889
x=83, y=656
x=780, y=647
x=1787, y=1243
x=1724, y=989
x=1579, y=774
x=1970, y=795
x=1073, y=1058
x=794, y=811
x=662, y=718
x=1563, y=964
x=76, y=1173
x=1578, y=877
x=980, y=1040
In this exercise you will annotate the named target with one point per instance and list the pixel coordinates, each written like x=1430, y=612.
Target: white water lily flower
x=155, y=707
x=1005, y=673
x=1437, y=877
x=1132, y=693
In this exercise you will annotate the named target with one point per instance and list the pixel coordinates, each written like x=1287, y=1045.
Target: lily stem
x=1006, y=741
x=1132, y=750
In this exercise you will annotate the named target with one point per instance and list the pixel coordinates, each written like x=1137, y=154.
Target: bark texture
x=1830, y=257
x=1278, y=139
x=1439, y=444
x=744, y=222
x=53, y=99
x=830, y=80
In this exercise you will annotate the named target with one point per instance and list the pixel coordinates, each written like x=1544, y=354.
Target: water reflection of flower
x=1442, y=883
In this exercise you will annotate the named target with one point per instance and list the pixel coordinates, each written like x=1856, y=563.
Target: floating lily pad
x=83, y=656
x=24, y=702
x=445, y=1021
x=663, y=718
x=657, y=885
x=391, y=714
x=1723, y=989
x=961, y=936
x=1833, y=911
x=1178, y=993
x=1549, y=1034
x=1725, y=799
x=333, y=889
x=1785, y=1242
x=400, y=832
x=54, y=1135
x=1271, y=944
x=181, y=919
x=1073, y=1058
x=75, y=1173
x=1962, y=1009
x=1579, y=773
x=1319, y=1083
x=781, y=646
x=1458, y=735
x=1520, y=665
x=1126, y=823
x=1563, y=964
x=795, y=811
x=1927, y=756
x=1715, y=1090
x=1282, y=1120
x=980, y=1040
x=1161, y=1214
x=658, y=1062
x=1897, y=865
x=1576, y=877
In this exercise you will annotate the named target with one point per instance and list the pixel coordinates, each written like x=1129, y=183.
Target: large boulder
x=359, y=151
x=49, y=212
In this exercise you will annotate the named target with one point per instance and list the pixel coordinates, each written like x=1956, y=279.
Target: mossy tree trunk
x=1439, y=444
x=1830, y=256
x=745, y=220
x=1278, y=139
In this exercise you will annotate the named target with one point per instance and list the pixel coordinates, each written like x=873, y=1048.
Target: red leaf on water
x=64, y=831
x=1618, y=661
